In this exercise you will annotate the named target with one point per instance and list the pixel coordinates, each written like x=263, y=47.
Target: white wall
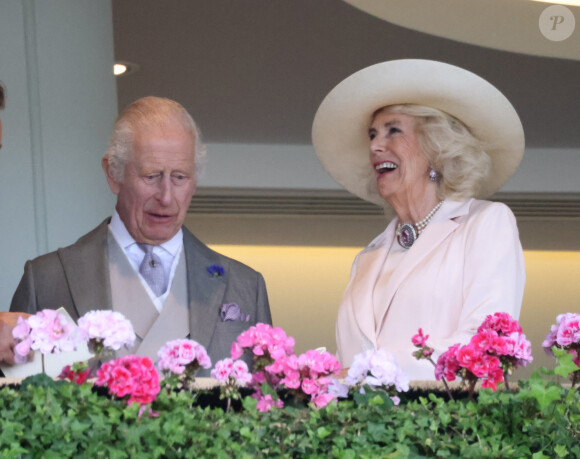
x=296, y=166
x=56, y=61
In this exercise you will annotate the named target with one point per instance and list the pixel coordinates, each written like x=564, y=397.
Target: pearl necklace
x=407, y=233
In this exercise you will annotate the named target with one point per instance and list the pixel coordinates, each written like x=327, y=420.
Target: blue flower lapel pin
x=216, y=270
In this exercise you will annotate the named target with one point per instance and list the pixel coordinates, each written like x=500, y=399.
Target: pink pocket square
x=230, y=312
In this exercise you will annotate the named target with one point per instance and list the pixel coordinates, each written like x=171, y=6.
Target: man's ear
x=113, y=184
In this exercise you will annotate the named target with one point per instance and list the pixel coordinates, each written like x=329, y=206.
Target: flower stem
x=447, y=388
x=442, y=379
x=42, y=360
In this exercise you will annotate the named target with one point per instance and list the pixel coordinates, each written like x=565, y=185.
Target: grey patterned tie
x=151, y=269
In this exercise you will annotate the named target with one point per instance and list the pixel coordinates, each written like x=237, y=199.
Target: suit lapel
x=369, y=265
x=86, y=267
x=205, y=291
x=441, y=226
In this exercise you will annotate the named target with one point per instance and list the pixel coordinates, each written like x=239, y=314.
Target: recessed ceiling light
x=122, y=68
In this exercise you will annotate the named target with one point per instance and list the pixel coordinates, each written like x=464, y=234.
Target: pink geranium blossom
x=132, y=376
x=420, y=340
x=263, y=340
x=266, y=402
x=105, y=331
x=275, y=364
x=77, y=373
x=496, y=350
x=231, y=374
x=47, y=331
x=307, y=375
x=182, y=357
x=233, y=371
x=565, y=334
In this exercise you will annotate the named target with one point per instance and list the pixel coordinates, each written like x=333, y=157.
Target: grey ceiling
x=254, y=71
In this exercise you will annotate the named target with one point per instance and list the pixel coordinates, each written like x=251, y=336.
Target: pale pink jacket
x=468, y=263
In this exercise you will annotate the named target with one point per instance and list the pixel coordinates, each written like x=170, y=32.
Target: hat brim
x=340, y=127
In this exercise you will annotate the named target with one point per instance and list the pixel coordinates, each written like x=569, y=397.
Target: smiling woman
x=424, y=139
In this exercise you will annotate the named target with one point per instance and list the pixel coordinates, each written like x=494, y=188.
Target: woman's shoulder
x=483, y=218
x=478, y=208
x=491, y=208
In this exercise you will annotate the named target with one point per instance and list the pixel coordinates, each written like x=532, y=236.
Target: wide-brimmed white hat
x=340, y=127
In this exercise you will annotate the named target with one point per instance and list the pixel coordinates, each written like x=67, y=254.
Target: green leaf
x=323, y=432
x=561, y=451
x=566, y=364
x=545, y=395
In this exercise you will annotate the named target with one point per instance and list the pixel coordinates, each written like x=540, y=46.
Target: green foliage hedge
x=47, y=419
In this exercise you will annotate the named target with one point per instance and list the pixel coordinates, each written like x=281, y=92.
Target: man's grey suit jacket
x=77, y=278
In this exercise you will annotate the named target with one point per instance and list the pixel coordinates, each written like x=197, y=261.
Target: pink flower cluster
x=47, y=331
x=379, y=370
x=276, y=364
x=263, y=340
x=180, y=355
x=230, y=371
x=498, y=347
x=105, y=330
x=77, y=373
x=130, y=375
x=565, y=334
x=308, y=374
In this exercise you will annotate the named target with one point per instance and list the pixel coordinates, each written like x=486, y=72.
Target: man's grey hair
x=147, y=113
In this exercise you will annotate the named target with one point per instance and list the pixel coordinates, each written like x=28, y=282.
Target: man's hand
x=8, y=321
x=6, y=344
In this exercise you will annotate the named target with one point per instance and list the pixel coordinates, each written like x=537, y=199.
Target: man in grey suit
x=143, y=262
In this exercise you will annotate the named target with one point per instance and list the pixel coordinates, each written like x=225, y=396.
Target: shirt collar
x=125, y=240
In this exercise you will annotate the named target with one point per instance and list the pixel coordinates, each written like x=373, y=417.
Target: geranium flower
x=78, y=373
x=565, y=334
x=235, y=372
x=420, y=340
x=263, y=341
x=47, y=331
x=379, y=370
x=132, y=376
x=105, y=330
x=182, y=356
x=498, y=347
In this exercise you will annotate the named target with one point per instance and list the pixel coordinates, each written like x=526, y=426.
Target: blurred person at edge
x=7, y=319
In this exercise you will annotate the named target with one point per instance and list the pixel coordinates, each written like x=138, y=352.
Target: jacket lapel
x=369, y=265
x=440, y=227
x=205, y=291
x=86, y=267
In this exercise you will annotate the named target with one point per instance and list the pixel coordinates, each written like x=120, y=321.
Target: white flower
x=108, y=328
x=378, y=369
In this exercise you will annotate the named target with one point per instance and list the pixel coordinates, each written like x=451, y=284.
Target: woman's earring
x=434, y=176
